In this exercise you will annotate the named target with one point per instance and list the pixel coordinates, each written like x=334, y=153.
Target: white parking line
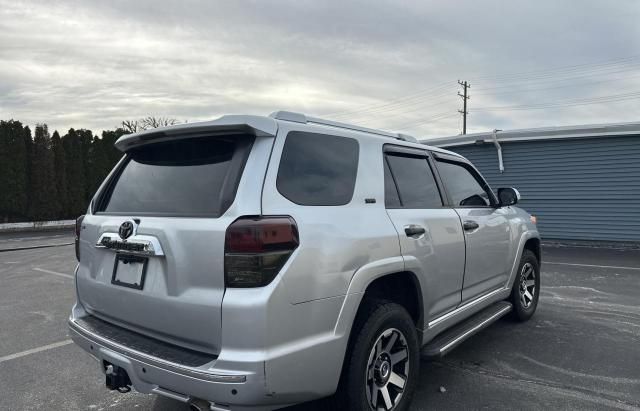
x=42, y=270
x=591, y=265
x=34, y=350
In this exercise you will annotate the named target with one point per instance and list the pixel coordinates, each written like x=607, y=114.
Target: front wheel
x=383, y=368
x=526, y=287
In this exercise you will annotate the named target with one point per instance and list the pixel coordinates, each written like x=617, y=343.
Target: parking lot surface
x=581, y=351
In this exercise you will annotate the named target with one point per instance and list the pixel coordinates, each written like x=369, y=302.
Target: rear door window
x=416, y=185
x=464, y=187
x=391, y=197
x=318, y=169
x=190, y=177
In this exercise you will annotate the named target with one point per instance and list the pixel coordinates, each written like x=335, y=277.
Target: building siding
x=580, y=189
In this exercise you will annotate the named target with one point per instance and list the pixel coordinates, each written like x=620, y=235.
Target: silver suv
x=257, y=262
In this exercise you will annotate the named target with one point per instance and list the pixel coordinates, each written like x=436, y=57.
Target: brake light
x=77, y=232
x=256, y=248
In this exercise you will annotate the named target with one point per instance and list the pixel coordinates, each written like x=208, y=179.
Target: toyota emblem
x=126, y=230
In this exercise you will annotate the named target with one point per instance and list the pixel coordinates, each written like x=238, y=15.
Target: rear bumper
x=274, y=354
x=242, y=389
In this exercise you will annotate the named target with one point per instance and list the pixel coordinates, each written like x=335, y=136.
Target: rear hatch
x=152, y=250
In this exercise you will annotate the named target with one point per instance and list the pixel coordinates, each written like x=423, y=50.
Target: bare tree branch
x=134, y=126
x=155, y=122
x=131, y=126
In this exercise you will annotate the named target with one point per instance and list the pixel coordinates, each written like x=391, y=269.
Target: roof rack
x=304, y=119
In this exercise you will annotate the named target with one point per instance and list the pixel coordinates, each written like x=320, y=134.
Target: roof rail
x=302, y=118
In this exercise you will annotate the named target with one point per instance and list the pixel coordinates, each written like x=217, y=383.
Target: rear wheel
x=383, y=366
x=526, y=287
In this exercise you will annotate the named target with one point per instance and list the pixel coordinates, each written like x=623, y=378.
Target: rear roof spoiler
x=226, y=125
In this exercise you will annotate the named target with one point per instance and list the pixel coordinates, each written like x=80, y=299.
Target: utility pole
x=464, y=110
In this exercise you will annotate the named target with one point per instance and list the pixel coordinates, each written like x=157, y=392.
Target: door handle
x=470, y=225
x=413, y=230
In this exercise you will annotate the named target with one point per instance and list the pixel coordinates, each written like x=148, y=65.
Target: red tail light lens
x=256, y=248
x=77, y=232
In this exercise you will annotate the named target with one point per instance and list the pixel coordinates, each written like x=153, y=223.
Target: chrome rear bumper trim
x=155, y=361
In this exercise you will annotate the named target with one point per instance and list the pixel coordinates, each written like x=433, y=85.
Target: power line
x=400, y=105
x=542, y=76
x=565, y=103
x=392, y=102
x=431, y=120
x=556, y=85
x=551, y=78
x=560, y=79
x=437, y=117
x=403, y=111
x=561, y=69
x=398, y=108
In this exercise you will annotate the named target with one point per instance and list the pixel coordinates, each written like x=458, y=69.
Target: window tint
x=391, y=199
x=317, y=169
x=462, y=186
x=182, y=178
x=416, y=185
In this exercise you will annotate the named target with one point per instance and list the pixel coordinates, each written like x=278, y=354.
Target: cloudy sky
x=387, y=64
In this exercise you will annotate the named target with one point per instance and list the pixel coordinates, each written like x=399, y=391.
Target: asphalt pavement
x=581, y=350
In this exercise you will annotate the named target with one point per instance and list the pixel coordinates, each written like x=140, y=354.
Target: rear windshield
x=192, y=177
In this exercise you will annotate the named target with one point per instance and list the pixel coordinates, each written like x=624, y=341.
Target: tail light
x=77, y=232
x=256, y=248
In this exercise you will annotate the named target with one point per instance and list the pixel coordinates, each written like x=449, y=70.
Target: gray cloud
x=383, y=64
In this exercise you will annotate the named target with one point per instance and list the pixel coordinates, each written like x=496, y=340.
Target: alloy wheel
x=527, y=285
x=387, y=370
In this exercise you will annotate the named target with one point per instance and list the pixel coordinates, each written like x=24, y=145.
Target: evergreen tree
x=59, y=164
x=109, y=138
x=44, y=203
x=104, y=156
x=85, y=138
x=28, y=144
x=5, y=167
x=75, y=172
x=13, y=171
x=51, y=177
x=98, y=164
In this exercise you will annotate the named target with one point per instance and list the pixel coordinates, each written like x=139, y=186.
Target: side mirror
x=508, y=196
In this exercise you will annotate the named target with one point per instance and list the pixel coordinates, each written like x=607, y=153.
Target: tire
x=383, y=355
x=526, y=287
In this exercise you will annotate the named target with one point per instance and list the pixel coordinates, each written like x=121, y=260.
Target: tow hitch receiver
x=116, y=378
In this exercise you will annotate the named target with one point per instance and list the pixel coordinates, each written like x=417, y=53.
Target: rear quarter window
x=318, y=169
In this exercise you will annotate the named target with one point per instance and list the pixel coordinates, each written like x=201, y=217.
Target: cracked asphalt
x=581, y=351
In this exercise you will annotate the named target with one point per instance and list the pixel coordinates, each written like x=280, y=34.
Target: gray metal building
x=582, y=182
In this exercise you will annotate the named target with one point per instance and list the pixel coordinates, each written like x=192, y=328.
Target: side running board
x=454, y=336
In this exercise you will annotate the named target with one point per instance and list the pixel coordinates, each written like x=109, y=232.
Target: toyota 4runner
x=257, y=262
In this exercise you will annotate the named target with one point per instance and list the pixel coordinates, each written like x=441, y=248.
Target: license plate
x=129, y=271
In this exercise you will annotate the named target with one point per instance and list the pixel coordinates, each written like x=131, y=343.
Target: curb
x=32, y=247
